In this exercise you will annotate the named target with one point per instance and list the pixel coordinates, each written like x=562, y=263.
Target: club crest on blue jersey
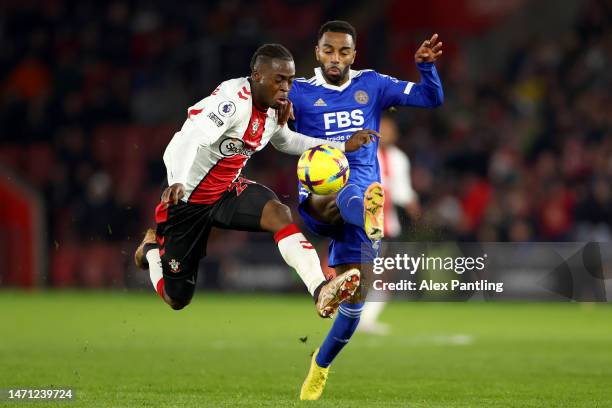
x=361, y=97
x=227, y=108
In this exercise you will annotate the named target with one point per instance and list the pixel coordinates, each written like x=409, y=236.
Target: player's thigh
x=182, y=234
x=242, y=209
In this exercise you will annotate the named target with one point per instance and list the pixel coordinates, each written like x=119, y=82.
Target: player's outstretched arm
x=428, y=93
x=290, y=142
x=287, y=141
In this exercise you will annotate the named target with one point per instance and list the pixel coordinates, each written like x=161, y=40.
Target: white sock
x=371, y=312
x=155, y=270
x=299, y=254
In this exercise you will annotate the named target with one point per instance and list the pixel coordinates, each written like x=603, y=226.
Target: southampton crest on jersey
x=175, y=266
x=227, y=109
x=254, y=126
x=362, y=97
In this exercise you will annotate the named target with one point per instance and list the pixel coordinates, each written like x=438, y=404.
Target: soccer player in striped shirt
x=205, y=189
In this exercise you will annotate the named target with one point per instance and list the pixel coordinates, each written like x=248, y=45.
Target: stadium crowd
x=87, y=106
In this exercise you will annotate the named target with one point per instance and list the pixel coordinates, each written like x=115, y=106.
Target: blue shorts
x=348, y=243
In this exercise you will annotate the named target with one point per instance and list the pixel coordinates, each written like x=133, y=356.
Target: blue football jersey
x=336, y=112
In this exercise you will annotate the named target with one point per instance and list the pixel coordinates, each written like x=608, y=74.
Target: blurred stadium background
x=91, y=92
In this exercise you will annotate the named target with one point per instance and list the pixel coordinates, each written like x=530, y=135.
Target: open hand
x=429, y=51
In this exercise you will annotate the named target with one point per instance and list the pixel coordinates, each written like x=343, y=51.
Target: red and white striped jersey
x=221, y=133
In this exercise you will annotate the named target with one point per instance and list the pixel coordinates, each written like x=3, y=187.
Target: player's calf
x=301, y=255
x=179, y=292
x=296, y=250
x=147, y=257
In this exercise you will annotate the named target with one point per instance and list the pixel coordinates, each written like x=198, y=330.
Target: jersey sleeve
x=210, y=118
x=206, y=122
x=426, y=94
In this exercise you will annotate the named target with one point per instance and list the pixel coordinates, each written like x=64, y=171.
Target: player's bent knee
x=276, y=215
x=176, y=304
x=282, y=212
x=324, y=209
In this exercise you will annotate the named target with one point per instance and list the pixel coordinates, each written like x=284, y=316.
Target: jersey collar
x=320, y=80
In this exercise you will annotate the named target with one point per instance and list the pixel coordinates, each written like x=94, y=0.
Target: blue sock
x=350, y=203
x=343, y=328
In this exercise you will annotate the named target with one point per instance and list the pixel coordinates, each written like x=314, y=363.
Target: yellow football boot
x=315, y=380
x=374, y=217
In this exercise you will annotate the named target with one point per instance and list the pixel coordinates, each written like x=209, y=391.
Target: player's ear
x=256, y=76
x=317, y=53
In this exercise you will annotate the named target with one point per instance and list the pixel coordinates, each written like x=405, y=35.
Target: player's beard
x=335, y=80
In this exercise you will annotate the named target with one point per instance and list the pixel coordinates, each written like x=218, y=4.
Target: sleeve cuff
x=425, y=66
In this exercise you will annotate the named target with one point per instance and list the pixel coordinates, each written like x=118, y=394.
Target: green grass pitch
x=130, y=350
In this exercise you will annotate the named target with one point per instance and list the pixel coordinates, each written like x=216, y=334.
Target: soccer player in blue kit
x=333, y=104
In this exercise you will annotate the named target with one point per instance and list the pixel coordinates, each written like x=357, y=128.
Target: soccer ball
x=323, y=169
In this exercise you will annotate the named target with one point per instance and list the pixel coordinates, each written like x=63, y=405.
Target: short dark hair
x=268, y=52
x=338, y=26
